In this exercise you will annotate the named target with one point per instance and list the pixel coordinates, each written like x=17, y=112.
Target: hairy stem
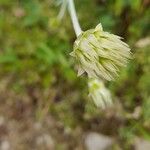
x=74, y=17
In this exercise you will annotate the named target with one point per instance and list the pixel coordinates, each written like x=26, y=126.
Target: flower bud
x=99, y=93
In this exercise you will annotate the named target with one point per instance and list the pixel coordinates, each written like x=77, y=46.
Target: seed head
x=100, y=54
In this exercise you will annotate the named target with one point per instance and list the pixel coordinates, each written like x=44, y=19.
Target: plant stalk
x=62, y=10
x=74, y=17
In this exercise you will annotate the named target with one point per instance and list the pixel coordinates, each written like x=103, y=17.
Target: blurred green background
x=43, y=105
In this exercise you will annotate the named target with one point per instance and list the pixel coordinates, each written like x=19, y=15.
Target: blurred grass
x=34, y=53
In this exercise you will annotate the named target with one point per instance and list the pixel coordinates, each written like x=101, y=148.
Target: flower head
x=100, y=54
x=99, y=93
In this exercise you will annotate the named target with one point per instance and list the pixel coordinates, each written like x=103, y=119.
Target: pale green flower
x=99, y=93
x=100, y=54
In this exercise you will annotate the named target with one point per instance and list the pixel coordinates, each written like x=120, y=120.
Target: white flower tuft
x=99, y=93
x=100, y=54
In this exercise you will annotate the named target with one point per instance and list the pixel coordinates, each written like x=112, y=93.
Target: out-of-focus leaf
x=46, y=54
x=33, y=13
x=7, y=58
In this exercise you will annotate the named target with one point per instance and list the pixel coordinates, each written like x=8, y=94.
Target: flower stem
x=74, y=17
